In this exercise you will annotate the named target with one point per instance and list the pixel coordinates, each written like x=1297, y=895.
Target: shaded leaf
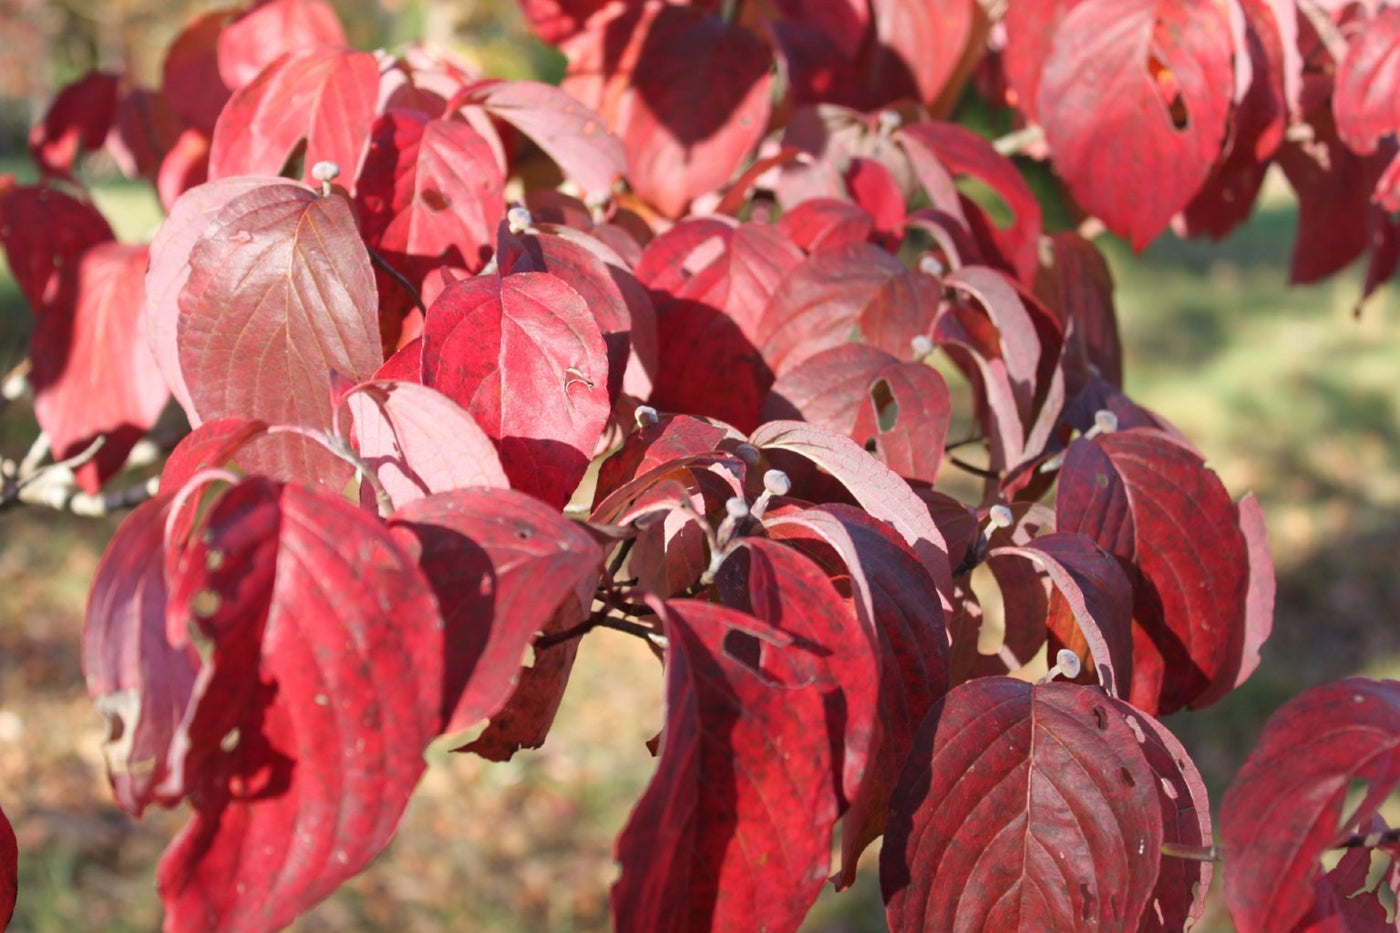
x=77, y=121
x=42, y=229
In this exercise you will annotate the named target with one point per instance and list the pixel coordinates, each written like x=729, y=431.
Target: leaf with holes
x=1154, y=505
x=1285, y=807
x=1134, y=98
x=320, y=689
x=524, y=356
x=734, y=830
x=501, y=564
x=304, y=108
x=92, y=368
x=1022, y=807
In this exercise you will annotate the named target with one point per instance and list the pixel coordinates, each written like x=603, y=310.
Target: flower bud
x=519, y=220
x=1068, y=663
x=777, y=483
x=325, y=171
x=1106, y=421
x=1001, y=516
x=646, y=416
x=736, y=507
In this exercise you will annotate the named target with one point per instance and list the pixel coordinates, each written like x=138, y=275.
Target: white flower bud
x=777, y=483
x=930, y=265
x=736, y=507
x=325, y=172
x=1068, y=663
x=1001, y=516
x=519, y=220
x=922, y=346
x=1106, y=421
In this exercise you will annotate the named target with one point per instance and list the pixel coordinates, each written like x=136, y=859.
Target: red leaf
x=791, y=593
x=556, y=20
x=93, y=374
x=138, y=680
x=169, y=269
x=1134, y=99
x=143, y=130
x=1153, y=504
x=873, y=485
x=685, y=129
x=418, y=441
x=905, y=416
x=319, y=696
x=501, y=564
x=917, y=47
x=898, y=604
x=734, y=830
x=1078, y=286
x=1363, y=99
x=570, y=133
x=672, y=440
x=430, y=194
x=1022, y=808
x=41, y=230
x=820, y=224
x=323, y=98
x=280, y=294
x=829, y=389
x=258, y=37
x=76, y=121
x=190, y=81
x=212, y=444
x=875, y=190
x=185, y=166
x=9, y=870
x=831, y=293
x=963, y=152
x=1031, y=27
x=1285, y=806
x=525, y=358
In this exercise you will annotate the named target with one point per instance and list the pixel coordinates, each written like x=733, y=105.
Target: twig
x=1332, y=39
x=397, y=276
x=1019, y=141
x=66, y=498
x=974, y=470
x=601, y=619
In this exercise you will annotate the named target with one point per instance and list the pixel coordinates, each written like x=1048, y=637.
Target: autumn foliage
x=686, y=348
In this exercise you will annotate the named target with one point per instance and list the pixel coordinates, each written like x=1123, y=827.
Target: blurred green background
x=1283, y=389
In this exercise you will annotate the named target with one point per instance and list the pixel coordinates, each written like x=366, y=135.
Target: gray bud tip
x=519, y=219
x=1068, y=663
x=777, y=482
x=646, y=416
x=325, y=171
x=747, y=453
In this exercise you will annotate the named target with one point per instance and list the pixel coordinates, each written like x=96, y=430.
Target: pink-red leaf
x=1285, y=806
x=524, y=356
x=501, y=564
x=1364, y=98
x=93, y=374
x=418, y=441
x=41, y=230
x=1134, y=99
x=734, y=830
x=319, y=695
x=137, y=679
x=258, y=37
x=430, y=194
x=1153, y=504
x=322, y=100
x=1022, y=808
x=76, y=121
x=280, y=294
x=571, y=134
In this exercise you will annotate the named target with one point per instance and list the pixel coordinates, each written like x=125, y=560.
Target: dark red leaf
x=501, y=564
x=734, y=830
x=570, y=133
x=1078, y=286
x=963, y=152
x=1022, y=808
x=418, y=441
x=556, y=20
x=779, y=586
x=9, y=870
x=671, y=440
x=829, y=389
x=820, y=224
x=190, y=80
x=430, y=193
x=1153, y=504
x=93, y=373
x=1364, y=100
x=143, y=130
x=897, y=602
x=524, y=356
x=917, y=48
x=137, y=679
x=858, y=287
x=76, y=121
x=1134, y=99
x=322, y=100
x=686, y=128
x=258, y=37
x=1286, y=804
x=280, y=295
x=41, y=230
x=320, y=692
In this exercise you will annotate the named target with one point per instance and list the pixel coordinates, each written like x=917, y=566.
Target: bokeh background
x=1286, y=392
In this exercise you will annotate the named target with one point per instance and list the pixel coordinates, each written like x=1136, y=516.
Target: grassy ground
x=1285, y=392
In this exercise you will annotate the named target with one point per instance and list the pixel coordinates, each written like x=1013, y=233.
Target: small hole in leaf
x=1169, y=90
x=295, y=165
x=1127, y=777
x=524, y=532
x=871, y=447
x=742, y=647
x=205, y=603
x=1086, y=901
x=886, y=408
x=1100, y=718
x=435, y=199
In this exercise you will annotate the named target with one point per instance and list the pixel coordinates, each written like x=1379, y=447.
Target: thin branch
x=1332, y=39
x=1193, y=853
x=67, y=498
x=974, y=470
x=397, y=276
x=600, y=619
x=1018, y=141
